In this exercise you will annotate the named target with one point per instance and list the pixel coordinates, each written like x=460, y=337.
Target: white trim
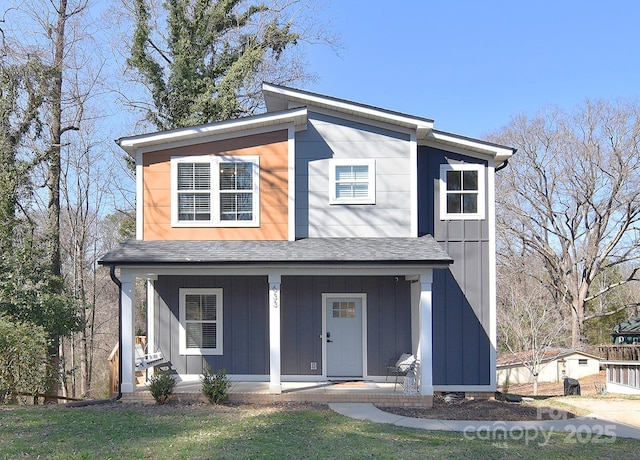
x=151, y=324
x=139, y=197
x=481, y=195
x=493, y=315
x=291, y=177
x=370, y=163
x=346, y=106
x=329, y=270
x=127, y=354
x=350, y=295
x=215, y=161
x=228, y=129
x=425, y=345
x=275, y=367
x=413, y=172
x=497, y=152
x=182, y=334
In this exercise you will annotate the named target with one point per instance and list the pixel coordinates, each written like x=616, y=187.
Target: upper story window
x=200, y=322
x=462, y=192
x=352, y=181
x=215, y=191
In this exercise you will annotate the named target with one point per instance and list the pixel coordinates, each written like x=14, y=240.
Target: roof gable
x=282, y=98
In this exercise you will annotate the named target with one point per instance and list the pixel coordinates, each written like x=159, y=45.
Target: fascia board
x=147, y=141
x=500, y=153
x=273, y=92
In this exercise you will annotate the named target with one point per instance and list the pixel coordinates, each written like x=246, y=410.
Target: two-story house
x=313, y=242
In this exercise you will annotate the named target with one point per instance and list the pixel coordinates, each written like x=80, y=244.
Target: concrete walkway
x=591, y=428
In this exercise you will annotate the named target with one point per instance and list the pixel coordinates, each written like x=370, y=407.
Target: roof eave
x=282, y=97
x=131, y=144
x=500, y=153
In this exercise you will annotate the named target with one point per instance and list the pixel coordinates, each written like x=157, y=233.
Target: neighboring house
x=555, y=364
x=627, y=332
x=622, y=360
x=316, y=241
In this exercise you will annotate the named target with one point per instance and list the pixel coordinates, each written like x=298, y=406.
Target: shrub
x=161, y=386
x=215, y=386
x=23, y=358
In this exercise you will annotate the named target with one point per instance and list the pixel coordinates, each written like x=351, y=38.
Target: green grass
x=198, y=432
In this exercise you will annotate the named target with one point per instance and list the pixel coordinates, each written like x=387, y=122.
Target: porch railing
x=619, y=352
x=114, y=364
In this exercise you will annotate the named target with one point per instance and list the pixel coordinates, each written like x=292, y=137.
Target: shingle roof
x=550, y=354
x=632, y=325
x=375, y=251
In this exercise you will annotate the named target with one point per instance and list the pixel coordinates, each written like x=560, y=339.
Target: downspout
x=114, y=278
x=92, y=402
x=503, y=165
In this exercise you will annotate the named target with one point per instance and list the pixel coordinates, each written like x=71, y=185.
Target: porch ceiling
x=317, y=251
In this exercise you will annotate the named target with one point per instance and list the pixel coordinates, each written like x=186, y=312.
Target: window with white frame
x=215, y=191
x=352, y=181
x=462, y=192
x=200, y=321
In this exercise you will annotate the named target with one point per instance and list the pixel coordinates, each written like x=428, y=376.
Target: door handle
x=328, y=337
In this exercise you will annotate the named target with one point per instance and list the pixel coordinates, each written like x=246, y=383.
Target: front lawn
x=202, y=431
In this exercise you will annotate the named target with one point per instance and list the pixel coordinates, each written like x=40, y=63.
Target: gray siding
x=335, y=138
x=461, y=302
x=246, y=322
x=245, y=316
x=388, y=319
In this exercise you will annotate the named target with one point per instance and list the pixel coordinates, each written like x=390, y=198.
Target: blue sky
x=471, y=65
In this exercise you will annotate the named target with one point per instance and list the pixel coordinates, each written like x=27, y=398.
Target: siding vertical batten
x=413, y=172
x=139, y=196
x=425, y=350
x=127, y=383
x=275, y=385
x=291, y=177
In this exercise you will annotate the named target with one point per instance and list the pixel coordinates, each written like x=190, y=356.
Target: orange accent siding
x=272, y=148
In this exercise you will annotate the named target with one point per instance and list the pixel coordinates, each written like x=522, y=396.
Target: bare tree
x=571, y=200
x=528, y=322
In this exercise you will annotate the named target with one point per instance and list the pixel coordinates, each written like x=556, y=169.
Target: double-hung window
x=215, y=191
x=200, y=322
x=462, y=194
x=352, y=181
x=194, y=191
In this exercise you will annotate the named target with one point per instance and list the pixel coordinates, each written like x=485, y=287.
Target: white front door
x=344, y=335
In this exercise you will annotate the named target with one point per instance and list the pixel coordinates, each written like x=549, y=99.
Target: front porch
x=379, y=393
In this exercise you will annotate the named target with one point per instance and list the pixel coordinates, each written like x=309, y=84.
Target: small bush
x=215, y=386
x=161, y=386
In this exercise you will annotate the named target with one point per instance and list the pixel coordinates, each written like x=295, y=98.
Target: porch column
x=275, y=385
x=127, y=379
x=425, y=346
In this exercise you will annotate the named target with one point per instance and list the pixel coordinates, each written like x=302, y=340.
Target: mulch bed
x=480, y=409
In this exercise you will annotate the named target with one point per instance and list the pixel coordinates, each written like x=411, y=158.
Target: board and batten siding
x=388, y=319
x=461, y=303
x=327, y=138
x=245, y=317
x=271, y=147
x=245, y=323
